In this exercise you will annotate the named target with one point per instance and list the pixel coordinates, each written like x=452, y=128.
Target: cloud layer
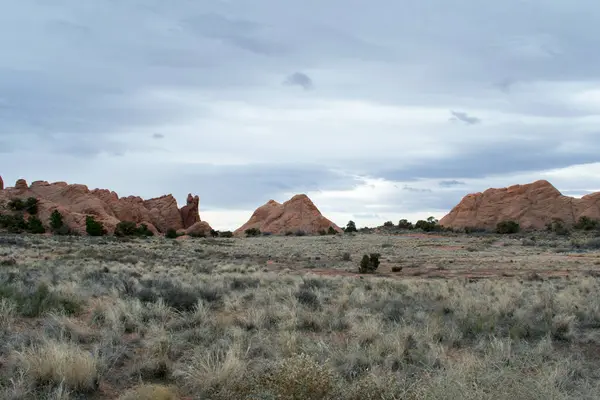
x=379, y=111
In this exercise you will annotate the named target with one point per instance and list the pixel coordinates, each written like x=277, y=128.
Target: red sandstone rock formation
x=297, y=214
x=1, y=184
x=189, y=212
x=76, y=201
x=532, y=205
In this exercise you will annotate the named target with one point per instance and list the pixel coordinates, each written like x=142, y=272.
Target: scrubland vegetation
x=291, y=317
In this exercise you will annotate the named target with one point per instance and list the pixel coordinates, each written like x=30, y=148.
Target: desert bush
x=586, y=224
x=37, y=301
x=289, y=233
x=226, y=234
x=57, y=224
x=214, y=233
x=331, y=231
x=557, y=226
x=322, y=232
x=405, y=224
x=430, y=225
x=125, y=228
x=13, y=223
x=252, y=232
x=300, y=232
x=34, y=225
x=369, y=264
x=16, y=205
x=388, y=224
x=507, y=227
x=31, y=205
x=350, y=227
x=171, y=234
x=93, y=227
x=346, y=257
x=308, y=298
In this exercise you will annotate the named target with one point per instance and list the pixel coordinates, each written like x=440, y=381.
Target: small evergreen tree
x=93, y=227
x=507, y=227
x=331, y=231
x=351, y=227
x=35, y=226
x=171, y=234
x=57, y=225
x=369, y=263
x=252, y=232
x=31, y=205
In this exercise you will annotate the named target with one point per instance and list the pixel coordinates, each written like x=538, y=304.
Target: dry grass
x=288, y=318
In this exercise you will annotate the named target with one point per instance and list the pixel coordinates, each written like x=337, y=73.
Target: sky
x=378, y=110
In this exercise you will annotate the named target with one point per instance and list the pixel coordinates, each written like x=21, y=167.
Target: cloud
x=464, y=117
x=299, y=79
x=82, y=102
x=451, y=183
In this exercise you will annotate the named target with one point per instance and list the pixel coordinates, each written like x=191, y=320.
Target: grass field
x=444, y=317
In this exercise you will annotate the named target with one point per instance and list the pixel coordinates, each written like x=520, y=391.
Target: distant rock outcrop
x=189, y=212
x=297, y=214
x=76, y=201
x=532, y=205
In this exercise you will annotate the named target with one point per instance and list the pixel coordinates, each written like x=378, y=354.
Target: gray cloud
x=451, y=183
x=416, y=190
x=208, y=75
x=299, y=79
x=464, y=117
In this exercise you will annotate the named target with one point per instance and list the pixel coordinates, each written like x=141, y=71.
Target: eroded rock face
x=189, y=212
x=297, y=214
x=76, y=201
x=532, y=205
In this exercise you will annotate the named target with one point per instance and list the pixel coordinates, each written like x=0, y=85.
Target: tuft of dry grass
x=59, y=363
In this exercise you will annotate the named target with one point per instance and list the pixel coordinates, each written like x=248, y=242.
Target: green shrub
x=57, y=225
x=35, y=302
x=431, y=225
x=125, y=228
x=300, y=232
x=252, y=232
x=214, y=233
x=350, y=227
x=93, y=227
x=226, y=234
x=369, y=264
x=405, y=224
x=171, y=234
x=289, y=233
x=322, y=232
x=143, y=230
x=34, y=225
x=331, y=231
x=388, y=224
x=557, y=226
x=13, y=223
x=586, y=224
x=16, y=204
x=507, y=227
x=31, y=205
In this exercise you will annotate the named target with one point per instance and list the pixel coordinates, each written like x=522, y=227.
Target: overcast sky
x=378, y=110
